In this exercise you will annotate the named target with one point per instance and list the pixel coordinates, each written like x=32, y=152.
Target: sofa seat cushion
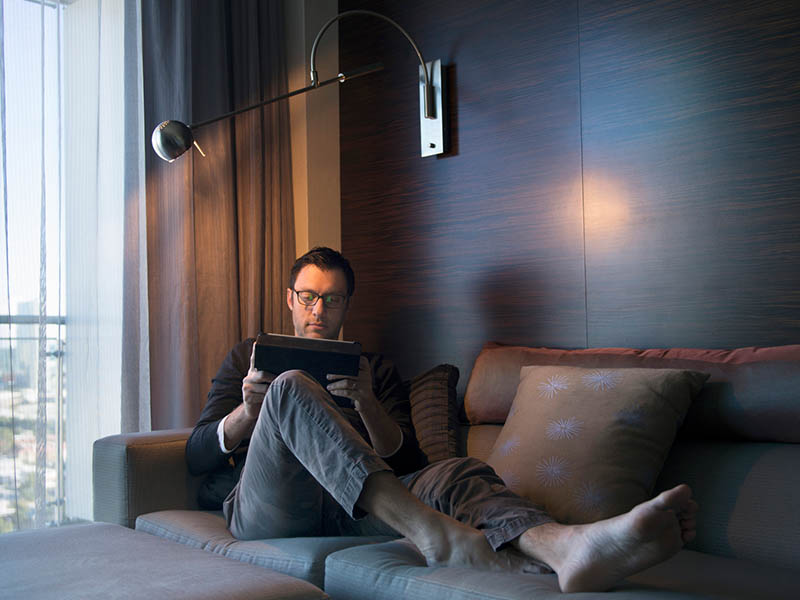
x=395, y=570
x=302, y=557
x=102, y=560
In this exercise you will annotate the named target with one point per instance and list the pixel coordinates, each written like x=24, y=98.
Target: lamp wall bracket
x=432, y=130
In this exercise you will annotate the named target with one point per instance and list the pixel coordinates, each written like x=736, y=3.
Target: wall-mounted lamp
x=171, y=138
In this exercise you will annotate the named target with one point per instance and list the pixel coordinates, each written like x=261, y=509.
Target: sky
x=32, y=104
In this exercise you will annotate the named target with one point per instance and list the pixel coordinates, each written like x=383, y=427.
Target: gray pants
x=306, y=467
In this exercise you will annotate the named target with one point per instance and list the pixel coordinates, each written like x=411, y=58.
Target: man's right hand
x=240, y=422
x=254, y=387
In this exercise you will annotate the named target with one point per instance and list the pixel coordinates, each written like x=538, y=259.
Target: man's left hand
x=358, y=389
x=384, y=433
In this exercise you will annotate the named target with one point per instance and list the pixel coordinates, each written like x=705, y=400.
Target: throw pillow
x=434, y=411
x=587, y=444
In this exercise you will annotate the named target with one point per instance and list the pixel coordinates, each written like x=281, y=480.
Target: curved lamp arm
x=172, y=138
x=429, y=110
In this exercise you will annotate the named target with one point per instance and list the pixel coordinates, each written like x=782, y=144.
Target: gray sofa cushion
x=101, y=560
x=396, y=569
x=299, y=557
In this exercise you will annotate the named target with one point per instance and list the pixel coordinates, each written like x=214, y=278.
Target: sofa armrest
x=137, y=473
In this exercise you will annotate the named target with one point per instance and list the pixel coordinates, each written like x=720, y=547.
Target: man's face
x=318, y=320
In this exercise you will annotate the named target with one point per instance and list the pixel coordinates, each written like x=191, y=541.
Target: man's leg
x=471, y=492
x=441, y=539
x=301, y=447
x=482, y=515
x=590, y=557
x=596, y=556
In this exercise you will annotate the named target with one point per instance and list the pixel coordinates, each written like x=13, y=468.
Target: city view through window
x=21, y=441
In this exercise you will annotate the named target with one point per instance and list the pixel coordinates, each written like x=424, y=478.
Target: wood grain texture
x=485, y=242
x=666, y=132
x=691, y=137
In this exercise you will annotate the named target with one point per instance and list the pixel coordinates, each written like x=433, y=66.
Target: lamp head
x=170, y=139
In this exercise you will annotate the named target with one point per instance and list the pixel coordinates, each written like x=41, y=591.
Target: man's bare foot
x=596, y=556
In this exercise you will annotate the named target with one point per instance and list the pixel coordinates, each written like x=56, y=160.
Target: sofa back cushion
x=749, y=493
x=751, y=394
x=747, y=486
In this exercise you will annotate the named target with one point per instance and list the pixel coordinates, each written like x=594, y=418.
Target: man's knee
x=291, y=386
x=294, y=379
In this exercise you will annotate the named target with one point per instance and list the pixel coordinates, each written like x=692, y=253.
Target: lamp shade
x=170, y=139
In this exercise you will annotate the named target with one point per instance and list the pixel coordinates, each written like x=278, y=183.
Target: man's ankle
x=546, y=543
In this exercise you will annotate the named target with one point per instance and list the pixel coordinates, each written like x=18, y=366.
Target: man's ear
x=289, y=298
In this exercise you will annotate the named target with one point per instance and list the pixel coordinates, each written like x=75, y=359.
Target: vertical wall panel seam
x=583, y=189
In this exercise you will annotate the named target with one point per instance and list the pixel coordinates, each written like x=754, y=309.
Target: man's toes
x=693, y=507
x=678, y=500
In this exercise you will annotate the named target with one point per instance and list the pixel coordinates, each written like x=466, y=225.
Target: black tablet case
x=277, y=353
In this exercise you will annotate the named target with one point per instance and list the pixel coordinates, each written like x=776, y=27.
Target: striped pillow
x=434, y=411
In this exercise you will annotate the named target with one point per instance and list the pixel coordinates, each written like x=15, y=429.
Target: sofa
x=736, y=442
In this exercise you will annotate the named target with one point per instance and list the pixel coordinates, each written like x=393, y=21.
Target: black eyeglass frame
x=324, y=299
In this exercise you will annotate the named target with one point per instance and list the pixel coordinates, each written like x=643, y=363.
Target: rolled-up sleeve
x=203, y=450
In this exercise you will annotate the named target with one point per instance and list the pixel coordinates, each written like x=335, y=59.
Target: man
x=315, y=468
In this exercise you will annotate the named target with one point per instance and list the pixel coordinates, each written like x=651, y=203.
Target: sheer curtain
x=72, y=156
x=220, y=228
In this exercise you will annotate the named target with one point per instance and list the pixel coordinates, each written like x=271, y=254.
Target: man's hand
x=254, y=387
x=358, y=389
x=384, y=433
x=240, y=422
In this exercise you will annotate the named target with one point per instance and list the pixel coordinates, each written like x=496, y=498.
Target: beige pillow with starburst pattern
x=587, y=444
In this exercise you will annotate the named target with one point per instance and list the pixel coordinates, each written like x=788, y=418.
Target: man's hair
x=326, y=259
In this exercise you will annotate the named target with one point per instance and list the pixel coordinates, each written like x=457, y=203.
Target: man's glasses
x=329, y=300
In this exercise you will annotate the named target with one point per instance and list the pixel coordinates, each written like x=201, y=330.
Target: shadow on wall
x=501, y=302
x=450, y=77
x=519, y=306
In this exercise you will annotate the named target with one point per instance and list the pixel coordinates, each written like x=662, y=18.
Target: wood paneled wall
x=621, y=173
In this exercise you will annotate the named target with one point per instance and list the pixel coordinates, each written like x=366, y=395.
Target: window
x=61, y=272
x=31, y=376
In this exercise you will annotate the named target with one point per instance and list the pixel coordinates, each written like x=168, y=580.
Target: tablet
x=276, y=353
